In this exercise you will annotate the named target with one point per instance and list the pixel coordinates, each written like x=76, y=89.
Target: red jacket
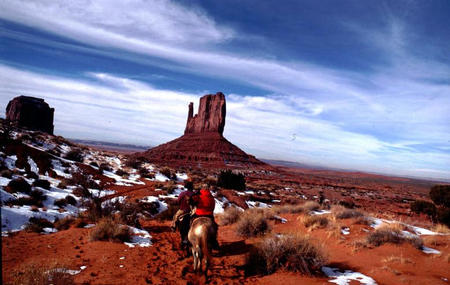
x=205, y=203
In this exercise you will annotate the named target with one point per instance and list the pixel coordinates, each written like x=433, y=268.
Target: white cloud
x=106, y=107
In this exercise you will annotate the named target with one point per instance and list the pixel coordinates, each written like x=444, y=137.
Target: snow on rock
x=219, y=207
x=118, y=199
x=344, y=278
x=160, y=177
x=162, y=205
x=139, y=238
x=101, y=193
x=429, y=250
x=282, y=220
x=33, y=166
x=49, y=230
x=133, y=179
x=88, y=226
x=181, y=176
x=59, y=169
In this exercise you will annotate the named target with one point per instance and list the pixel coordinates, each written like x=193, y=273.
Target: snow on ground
x=139, y=238
x=101, y=193
x=10, y=161
x=6, y=196
x=319, y=212
x=345, y=231
x=15, y=218
x=59, y=169
x=181, y=177
x=256, y=204
x=4, y=181
x=33, y=166
x=160, y=177
x=282, y=220
x=376, y=223
x=345, y=278
x=133, y=179
x=162, y=205
x=218, y=209
x=429, y=250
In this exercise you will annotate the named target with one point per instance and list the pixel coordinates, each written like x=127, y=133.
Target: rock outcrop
x=210, y=116
x=203, y=144
x=30, y=112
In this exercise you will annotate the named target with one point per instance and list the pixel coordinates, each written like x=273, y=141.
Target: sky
x=357, y=85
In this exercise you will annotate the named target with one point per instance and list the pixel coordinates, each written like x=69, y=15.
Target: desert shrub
x=443, y=216
x=71, y=200
x=168, y=172
x=394, y=235
x=42, y=183
x=108, y=229
x=347, y=203
x=81, y=192
x=310, y=206
x=252, y=224
x=83, y=180
x=38, y=273
x=6, y=173
x=363, y=220
x=105, y=166
x=63, y=184
x=230, y=216
x=143, y=172
x=210, y=180
x=316, y=221
x=440, y=194
x=129, y=214
x=93, y=163
x=37, y=225
x=425, y=207
x=60, y=202
x=35, y=199
x=169, y=213
x=440, y=228
x=229, y=180
x=94, y=210
x=18, y=185
x=74, y=155
x=345, y=213
x=31, y=175
x=287, y=252
x=134, y=162
x=121, y=172
x=64, y=223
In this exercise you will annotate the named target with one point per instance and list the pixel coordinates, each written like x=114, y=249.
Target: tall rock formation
x=30, y=112
x=203, y=144
x=210, y=117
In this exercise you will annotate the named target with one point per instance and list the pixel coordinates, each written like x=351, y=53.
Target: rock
x=203, y=144
x=30, y=112
x=210, y=117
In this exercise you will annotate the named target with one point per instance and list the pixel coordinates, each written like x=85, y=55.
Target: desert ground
x=346, y=227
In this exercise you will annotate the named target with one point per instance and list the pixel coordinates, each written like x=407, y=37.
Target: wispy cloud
x=103, y=106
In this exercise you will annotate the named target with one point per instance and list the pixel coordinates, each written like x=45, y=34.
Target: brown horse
x=200, y=235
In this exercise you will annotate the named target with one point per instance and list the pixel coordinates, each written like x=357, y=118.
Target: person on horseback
x=204, y=202
x=181, y=219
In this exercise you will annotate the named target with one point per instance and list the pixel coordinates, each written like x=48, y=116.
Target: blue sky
x=362, y=85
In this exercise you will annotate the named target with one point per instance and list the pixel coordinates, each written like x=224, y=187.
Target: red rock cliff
x=210, y=116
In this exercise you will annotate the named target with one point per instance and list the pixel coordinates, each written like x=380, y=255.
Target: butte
x=203, y=144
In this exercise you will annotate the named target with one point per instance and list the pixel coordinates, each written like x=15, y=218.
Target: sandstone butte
x=203, y=144
x=31, y=113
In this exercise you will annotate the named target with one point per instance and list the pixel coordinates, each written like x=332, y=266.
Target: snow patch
x=429, y=250
x=344, y=278
x=162, y=205
x=345, y=231
x=33, y=166
x=319, y=212
x=140, y=238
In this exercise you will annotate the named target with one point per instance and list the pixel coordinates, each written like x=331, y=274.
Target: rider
x=181, y=219
x=204, y=202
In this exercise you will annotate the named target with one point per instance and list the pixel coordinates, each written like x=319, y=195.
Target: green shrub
x=229, y=180
x=440, y=194
x=424, y=207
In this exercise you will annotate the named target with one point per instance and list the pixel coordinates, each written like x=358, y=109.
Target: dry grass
x=397, y=259
x=252, y=223
x=291, y=252
x=316, y=221
x=440, y=228
x=392, y=234
x=64, y=224
x=38, y=273
x=363, y=220
x=343, y=213
x=297, y=208
x=434, y=241
x=108, y=229
x=230, y=216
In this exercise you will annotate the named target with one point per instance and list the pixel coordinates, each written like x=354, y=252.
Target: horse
x=200, y=235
